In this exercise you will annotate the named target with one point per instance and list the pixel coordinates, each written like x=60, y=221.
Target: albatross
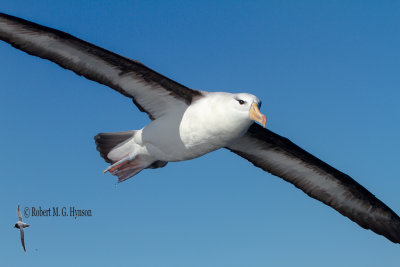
x=21, y=225
x=186, y=124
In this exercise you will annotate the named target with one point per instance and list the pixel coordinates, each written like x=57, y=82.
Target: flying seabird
x=187, y=123
x=21, y=225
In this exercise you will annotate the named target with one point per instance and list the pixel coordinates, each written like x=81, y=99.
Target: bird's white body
x=20, y=224
x=188, y=132
x=206, y=125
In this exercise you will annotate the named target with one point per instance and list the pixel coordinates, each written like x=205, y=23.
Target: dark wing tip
x=279, y=156
x=104, y=67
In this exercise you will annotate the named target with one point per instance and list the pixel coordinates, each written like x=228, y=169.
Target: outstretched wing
x=152, y=92
x=21, y=230
x=281, y=157
x=19, y=214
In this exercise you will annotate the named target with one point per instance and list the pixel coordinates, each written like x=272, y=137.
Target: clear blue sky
x=327, y=73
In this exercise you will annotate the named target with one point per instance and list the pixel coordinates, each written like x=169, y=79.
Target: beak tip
x=257, y=116
x=264, y=121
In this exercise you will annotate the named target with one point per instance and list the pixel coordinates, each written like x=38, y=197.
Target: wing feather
x=150, y=91
x=281, y=157
x=19, y=214
x=21, y=230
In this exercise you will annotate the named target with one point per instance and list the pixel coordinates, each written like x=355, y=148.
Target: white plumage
x=184, y=132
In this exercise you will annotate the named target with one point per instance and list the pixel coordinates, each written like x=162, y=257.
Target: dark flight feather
x=150, y=91
x=279, y=156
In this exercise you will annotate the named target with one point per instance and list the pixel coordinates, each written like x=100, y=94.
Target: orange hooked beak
x=256, y=115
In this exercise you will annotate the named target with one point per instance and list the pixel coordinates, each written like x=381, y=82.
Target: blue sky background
x=327, y=73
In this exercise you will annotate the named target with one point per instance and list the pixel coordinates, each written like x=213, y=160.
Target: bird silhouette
x=21, y=225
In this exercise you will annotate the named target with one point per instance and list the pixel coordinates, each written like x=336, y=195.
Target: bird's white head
x=226, y=115
x=248, y=106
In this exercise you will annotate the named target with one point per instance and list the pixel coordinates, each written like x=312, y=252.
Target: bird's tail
x=105, y=142
x=123, y=165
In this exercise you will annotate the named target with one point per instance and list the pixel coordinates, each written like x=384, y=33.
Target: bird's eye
x=241, y=102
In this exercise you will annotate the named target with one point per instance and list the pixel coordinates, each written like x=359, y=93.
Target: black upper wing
x=281, y=157
x=152, y=92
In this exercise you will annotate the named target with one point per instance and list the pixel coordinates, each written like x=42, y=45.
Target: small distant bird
x=21, y=225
